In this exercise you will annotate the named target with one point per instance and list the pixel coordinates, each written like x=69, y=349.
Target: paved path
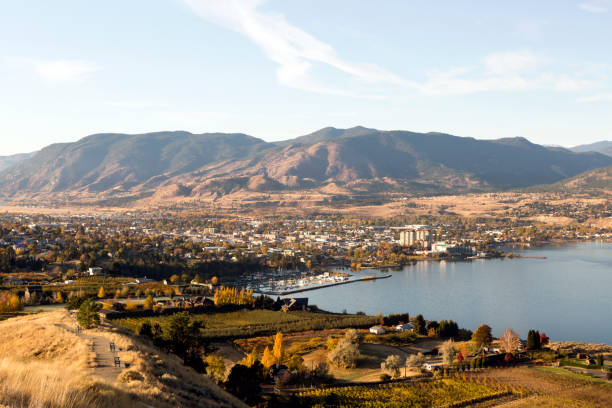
x=105, y=359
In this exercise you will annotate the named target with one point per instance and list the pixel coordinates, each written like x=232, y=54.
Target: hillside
x=603, y=147
x=8, y=161
x=44, y=363
x=598, y=179
x=181, y=164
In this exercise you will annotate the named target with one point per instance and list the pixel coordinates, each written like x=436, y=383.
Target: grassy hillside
x=43, y=363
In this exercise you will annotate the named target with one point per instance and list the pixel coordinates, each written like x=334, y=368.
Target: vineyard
x=438, y=393
x=252, y=323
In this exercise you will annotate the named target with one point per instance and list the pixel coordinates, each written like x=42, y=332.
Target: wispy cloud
x=297, y=52
x=58, y=70
x=504, y=71
x=294, y=50
x=595, y=6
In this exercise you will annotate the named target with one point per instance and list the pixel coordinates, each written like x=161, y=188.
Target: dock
x=289, y=292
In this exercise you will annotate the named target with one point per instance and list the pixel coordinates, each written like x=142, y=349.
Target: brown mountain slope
x=181, y=164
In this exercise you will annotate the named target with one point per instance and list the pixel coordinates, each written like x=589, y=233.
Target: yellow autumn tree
x=268, y=359
x=148, y=303
x=278, y=347
x=250, y=359
x=101, y=293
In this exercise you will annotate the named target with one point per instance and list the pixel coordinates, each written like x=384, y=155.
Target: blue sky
x=282, y=68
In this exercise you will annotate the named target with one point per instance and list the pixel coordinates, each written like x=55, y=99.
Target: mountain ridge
x=603, y=147
x=359, y=158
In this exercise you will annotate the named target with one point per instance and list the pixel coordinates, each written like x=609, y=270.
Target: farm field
x=440, y=392
x=253, y=323
x=555, y=387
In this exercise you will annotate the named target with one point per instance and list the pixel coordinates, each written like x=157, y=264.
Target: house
x=404, y=327
x=294, y=304
x=377, y=330
x=94, y=271
x=432, y=366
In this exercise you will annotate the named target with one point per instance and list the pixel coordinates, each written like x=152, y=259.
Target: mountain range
x=356, y=159
x=604, y=147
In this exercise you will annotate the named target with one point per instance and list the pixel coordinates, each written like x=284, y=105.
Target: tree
x=185, y=340
x=482, y=336
x=509, y=341
x=250, y=359
x=533, y=340
x=148, y=303
x=419, y=325
x=174, y=279
x=448, y=328
x=415, y=361
x=460, y=357
x=346, y=351
x=277, y=350
x=448, y=352
x=295, y=363
x=87, y=316
x=215, y=368
x=392, y=364
x=101, y=294
x=267, y=360
x=245, y=382
x=214, y=280
x=544, y=340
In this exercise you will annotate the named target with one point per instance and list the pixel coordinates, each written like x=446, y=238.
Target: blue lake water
x=568, y=295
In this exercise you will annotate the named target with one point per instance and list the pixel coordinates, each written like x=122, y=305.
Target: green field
x=252, y=323
x=436, y=393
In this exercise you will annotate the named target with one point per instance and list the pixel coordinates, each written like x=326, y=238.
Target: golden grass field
x=43, y=363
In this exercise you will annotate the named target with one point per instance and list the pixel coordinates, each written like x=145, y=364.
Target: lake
x=568, y=295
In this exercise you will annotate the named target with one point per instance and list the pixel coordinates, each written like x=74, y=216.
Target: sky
x=278, y=69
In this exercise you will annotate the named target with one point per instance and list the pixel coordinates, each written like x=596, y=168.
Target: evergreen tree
x=87, y=316
x=419, y=325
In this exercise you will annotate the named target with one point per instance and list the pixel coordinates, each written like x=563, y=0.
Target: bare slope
x=43, y=363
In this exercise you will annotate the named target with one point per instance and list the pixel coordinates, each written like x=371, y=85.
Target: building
x=404, y=327
x=94, y=271
x=377, y=330
x=407, y=238
x=412, y=237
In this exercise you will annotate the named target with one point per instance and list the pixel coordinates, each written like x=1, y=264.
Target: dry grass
x=43, y=364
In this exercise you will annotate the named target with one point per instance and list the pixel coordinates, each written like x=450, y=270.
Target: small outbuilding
x=377, y=330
